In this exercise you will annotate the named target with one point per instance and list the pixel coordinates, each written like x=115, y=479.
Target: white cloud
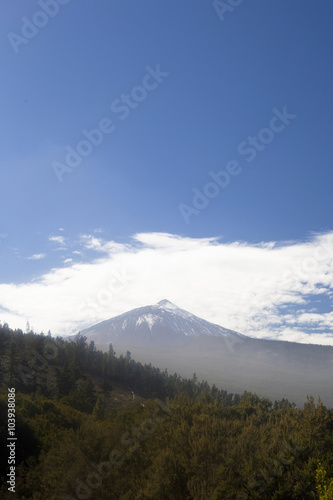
x=93, y=243
x=57, y=239
x=242, y=286
x=37, y=256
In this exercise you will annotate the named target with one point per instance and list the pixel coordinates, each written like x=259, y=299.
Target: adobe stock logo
x=30, y=28
x=222, y=8
x=121, y=108
x=249, y=148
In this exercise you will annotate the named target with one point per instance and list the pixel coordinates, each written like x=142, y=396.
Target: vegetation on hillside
x=98, y=426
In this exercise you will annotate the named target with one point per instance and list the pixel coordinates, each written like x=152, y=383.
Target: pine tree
x=324, y=486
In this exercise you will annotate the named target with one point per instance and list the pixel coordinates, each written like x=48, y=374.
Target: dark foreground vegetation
x=94, y=425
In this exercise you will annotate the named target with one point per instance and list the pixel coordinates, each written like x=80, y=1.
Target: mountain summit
x=162, y=324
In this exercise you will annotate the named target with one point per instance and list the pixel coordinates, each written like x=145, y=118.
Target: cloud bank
x=267, y=290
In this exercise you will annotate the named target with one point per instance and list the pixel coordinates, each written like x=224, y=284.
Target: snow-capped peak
x=166, y=304
x=162, y=323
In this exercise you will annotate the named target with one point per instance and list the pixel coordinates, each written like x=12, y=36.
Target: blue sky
x=224, y=77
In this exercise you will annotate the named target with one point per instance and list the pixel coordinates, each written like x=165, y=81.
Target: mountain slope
x=162, y=324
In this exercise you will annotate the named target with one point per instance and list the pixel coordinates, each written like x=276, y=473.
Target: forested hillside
x=100, y=426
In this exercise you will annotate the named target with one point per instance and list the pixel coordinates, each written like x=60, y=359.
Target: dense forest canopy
x=96, y=425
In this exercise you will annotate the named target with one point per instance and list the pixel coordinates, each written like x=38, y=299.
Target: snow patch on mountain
x=150, y=319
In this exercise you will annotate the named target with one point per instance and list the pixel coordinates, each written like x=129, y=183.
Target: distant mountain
x=172, y=338
x=162, y=324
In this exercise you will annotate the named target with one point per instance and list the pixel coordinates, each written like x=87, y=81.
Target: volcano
x=162, y=324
